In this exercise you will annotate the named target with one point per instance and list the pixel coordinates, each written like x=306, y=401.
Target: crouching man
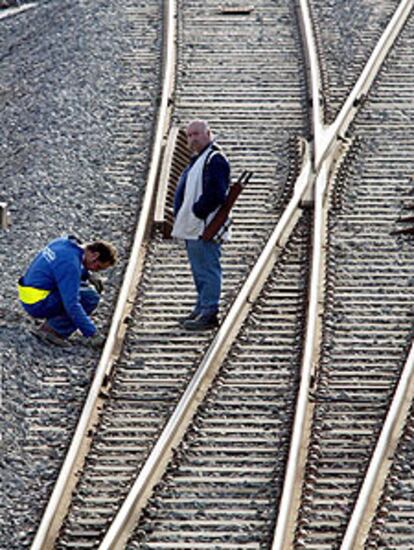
x=55, y=287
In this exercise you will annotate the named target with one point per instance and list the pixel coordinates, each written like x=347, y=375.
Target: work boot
x=182, y=320
x=50, y=336
x=201, y=322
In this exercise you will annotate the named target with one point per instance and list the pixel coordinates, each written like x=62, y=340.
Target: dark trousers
x=51, y=308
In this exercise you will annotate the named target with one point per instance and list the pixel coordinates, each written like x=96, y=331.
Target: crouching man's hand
x=96, y=341
x=97, y=283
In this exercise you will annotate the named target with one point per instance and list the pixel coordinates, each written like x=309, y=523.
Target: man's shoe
x=50, y=336
x=183, y=320
x=201, y=322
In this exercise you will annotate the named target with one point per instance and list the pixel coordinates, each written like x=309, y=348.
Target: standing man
x=200, y=192
x=55, y=288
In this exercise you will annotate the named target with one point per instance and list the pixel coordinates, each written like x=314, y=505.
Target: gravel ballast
x=78, y=92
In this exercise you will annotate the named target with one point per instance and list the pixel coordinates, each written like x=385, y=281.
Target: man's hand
x=97, y=283
x=96, y=341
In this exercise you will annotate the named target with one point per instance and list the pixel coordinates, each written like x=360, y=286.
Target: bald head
x=198, y=135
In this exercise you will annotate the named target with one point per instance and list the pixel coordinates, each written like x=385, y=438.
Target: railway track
x=162, y=355
x=225, y=482
x=393, y=524
x=367, y=328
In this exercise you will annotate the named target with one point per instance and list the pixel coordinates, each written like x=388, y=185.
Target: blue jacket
x=216, y=179
x=59, y=267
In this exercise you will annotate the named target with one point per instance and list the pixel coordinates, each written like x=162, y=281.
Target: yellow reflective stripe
x=31, y=295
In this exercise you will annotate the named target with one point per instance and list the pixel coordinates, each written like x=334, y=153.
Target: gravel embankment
x=73, y=159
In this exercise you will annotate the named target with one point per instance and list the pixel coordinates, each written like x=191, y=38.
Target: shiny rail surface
x=393, y=523
x=387, y=455
x=206, y=372
x=12, y=11
x=51, y=78
x=220, y=486
x=373, y=484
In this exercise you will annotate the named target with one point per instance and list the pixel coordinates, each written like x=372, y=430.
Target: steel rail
x=127, y=516
x=368, y=498
x=58, y=504
x=354, y=101
x=313, y=73
x=304, y=408
x=325, y=144
x=9, y=12
x=363, y=513
x=289, y=503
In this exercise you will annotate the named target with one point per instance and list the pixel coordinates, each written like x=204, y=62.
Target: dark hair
x=107, y=251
